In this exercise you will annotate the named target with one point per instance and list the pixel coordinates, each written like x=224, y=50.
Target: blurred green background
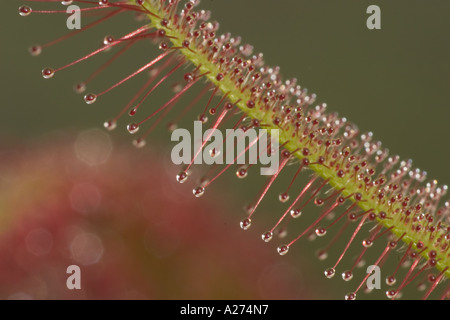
x=394, y=81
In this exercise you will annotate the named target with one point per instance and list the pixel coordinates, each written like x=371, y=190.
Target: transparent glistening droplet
x=347, y=275
x=24, y=11
x=132, y=111
x=320, y=232
x=110, y=125
x=214, y=152
x=182, y=177
x=35, y=50
x=322, y=255
x=390, y=281
x=267, y=236
x=108, y=40
x=329, y=273
x=139, y=143
x=198, y=192
x=133, y=128
x=367, y=243
x=295, y=213
x=171, y=126
x=241, y=173
x=79, y=87
x=48, y=73
x=282, y=250
x=350, y=296
x=283, y=197
x=282, y=233
x=318, y=202
x=203, y=118
x=246, y=224
x=391, y=294
x=90, y=98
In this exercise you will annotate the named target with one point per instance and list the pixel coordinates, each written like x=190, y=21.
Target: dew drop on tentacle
x=432, y=254
x=282, y=250
x=24, y=11
x=214, y=152
x=329, y=273
x=35, y=50
x=66, y=2
x=182, y=177
x=189, y=77
x=176, y=87
x=48, y=73
x=132, y=111
x=367, y=243
x=421, y=286
x=321, y=232
x=350, y=296
x=90, y=98
x=391, y=294
x=163, y=46
x=246, y=224
x=204, y=181
x=318, y=202
x=139, y=143
x=311, y=236
x=172, y=126
x=366, y=290
x=322, y=255
x=79, y=87
x=431, y=278
x=107, y=40
x=267, y=236
x=282, y=233
x=347, y=275
x=203, y=118
x=110, y=125
x=133, y=128
x=249, y=208
x=241, y=173
x=295, y=213
x=390, y=281
x=198, y=192
x=283, y=197
x=361, y=264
